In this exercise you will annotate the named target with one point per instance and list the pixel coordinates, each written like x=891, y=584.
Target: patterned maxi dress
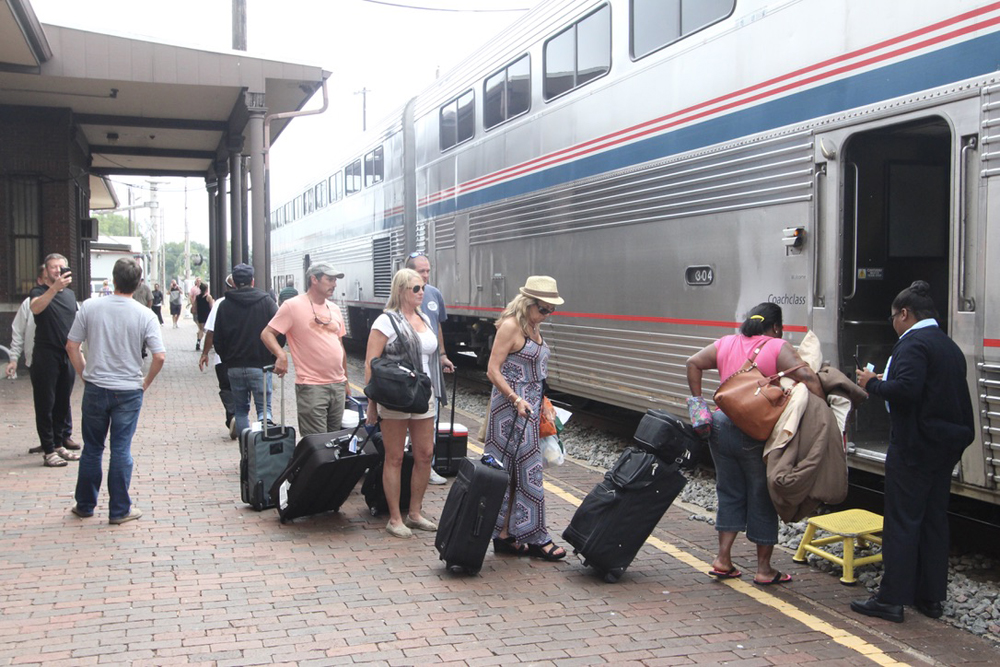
x=524, y=371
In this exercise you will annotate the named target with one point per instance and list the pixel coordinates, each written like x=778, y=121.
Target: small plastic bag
x=552, y=451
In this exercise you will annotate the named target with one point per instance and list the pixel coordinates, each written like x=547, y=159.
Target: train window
x=457, y=120
x=352, y=177
x=374, y=169
x=298, y=207
x=657, y=23
x=578, y=55
x=289, y=212
x=507, y=93
x=321, y=195
x=310, y=201
x=336, y=187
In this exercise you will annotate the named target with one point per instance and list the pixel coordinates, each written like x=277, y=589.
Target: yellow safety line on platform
x=842, y=637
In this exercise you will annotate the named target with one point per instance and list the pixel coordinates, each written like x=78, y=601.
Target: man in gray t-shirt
x=115, y=329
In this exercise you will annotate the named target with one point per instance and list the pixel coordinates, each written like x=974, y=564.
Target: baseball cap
x=242, y=274
x=322, y=269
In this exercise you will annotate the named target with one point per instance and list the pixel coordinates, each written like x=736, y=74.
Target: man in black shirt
x=52, y=375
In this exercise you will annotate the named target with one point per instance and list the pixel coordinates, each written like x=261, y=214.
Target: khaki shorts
x=386, y=413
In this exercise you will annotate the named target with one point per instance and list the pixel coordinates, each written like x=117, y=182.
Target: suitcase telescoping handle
x=437, y=422
x=267, y=434
x=489, y=459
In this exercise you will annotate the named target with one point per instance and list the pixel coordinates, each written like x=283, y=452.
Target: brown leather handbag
x=752, y=400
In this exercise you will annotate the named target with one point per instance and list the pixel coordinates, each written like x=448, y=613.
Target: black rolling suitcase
x=263, y=455
x=322, y=473
x=451, y=441
x=374, y=492
x=471, y=511
x=614, y=520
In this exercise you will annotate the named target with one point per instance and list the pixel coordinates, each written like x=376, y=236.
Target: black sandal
x=508, y=545
x=539, y=551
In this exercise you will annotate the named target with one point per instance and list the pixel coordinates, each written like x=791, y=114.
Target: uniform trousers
x=915, y=536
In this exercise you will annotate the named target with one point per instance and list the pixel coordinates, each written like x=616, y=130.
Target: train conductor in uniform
x=931, y=420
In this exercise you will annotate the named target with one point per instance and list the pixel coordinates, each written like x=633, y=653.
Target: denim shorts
x=741, y=483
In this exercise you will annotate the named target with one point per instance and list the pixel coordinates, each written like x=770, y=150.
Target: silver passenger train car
x=673, y=164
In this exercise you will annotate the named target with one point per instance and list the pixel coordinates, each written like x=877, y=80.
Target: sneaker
x=132, y=515
x=232, y=429
x=197, y=346
x=66, y=454
x=436, y=478
x=83, y=515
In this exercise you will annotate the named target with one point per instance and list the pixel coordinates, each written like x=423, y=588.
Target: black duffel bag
x=396, y=386
x=663, y=435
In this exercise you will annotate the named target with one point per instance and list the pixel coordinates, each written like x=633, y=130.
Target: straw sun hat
x=542, y=288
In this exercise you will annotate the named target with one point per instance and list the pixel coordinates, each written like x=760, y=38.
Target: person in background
x=314, y=329
x=202, y=309
x=176, y=297
x=517, y=368
x=415, y=345
x=158, y=302
x=114, y=329
x=193, y=294
x=287, y=293
x=221, y=372
x=931, y=423
x=433, y=307
x=744, y=503
x=143, y=295
x=22, y=340
x=52, y=376
x=105, y=289
x=236, y=336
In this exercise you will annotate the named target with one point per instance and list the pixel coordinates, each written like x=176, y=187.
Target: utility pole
x=154, y=242
x=239, y=25
x=364, y=107
x=187, y=238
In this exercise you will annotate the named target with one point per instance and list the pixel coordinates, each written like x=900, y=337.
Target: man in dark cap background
x=238, y=324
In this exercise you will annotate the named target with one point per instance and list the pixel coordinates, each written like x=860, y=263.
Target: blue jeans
x=118, y=412
x=244, y=382
x=741, y=483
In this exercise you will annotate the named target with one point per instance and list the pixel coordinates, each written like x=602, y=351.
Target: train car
x=673, y=164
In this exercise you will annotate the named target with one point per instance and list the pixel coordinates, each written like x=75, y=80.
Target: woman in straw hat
x=517, y=368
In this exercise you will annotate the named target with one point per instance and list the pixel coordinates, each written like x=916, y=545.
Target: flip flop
x=733, y=573
x=779, y=578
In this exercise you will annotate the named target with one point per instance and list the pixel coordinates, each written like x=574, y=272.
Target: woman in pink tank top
x=741, y=476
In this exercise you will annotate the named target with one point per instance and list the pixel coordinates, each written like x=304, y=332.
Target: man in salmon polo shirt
x=314, y=329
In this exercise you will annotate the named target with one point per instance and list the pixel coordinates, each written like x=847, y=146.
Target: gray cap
x=323, y=270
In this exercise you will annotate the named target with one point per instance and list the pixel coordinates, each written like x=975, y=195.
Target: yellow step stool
x=849, y=526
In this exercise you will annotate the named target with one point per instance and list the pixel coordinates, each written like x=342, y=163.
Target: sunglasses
x=415, y=254
x=316, y=317
x=545, y=310
x=418, y=288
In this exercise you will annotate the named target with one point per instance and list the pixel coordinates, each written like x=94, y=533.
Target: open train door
x=903, y=194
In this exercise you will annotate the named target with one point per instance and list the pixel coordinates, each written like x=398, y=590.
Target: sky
x=393, y=52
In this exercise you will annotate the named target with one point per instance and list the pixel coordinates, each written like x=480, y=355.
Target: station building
x=78, y=106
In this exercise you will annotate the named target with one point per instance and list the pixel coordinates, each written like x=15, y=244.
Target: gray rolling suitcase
x=264, y=454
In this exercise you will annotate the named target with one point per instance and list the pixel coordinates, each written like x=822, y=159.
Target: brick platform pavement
x=203, y=579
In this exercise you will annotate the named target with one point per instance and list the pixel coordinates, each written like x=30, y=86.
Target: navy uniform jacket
x=930, y=409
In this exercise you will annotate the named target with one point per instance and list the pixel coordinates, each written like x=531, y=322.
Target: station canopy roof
x=143, y=108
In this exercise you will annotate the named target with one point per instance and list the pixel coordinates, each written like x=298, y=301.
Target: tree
x=173, y=260
x=116, y=224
